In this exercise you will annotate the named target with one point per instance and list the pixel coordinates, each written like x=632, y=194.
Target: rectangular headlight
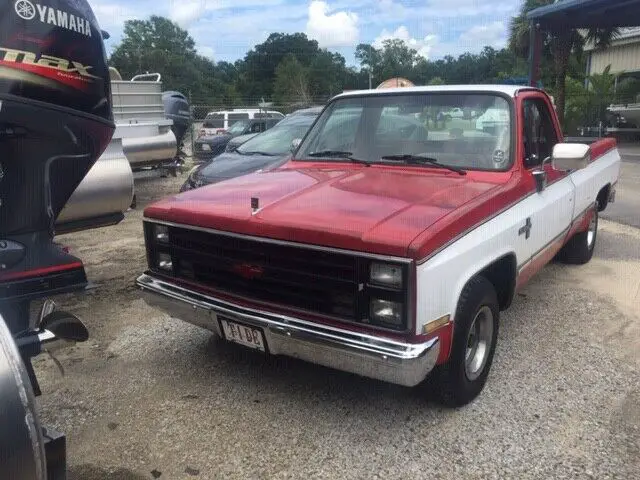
x=161, y=233
x=386, y=275
x=164, y=262
x=385, y=312
x=206, y=147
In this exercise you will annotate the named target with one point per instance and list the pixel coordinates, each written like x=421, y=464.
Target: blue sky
x=227, y=29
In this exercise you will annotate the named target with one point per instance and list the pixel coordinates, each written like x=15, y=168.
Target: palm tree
x=557, y=45
x=602, y=88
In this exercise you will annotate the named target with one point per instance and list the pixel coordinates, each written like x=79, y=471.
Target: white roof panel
x=509, y=90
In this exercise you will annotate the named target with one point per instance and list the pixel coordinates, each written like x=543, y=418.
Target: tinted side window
x=234, y=117
x=215, y=120
x=539, y=135
x=257, y=127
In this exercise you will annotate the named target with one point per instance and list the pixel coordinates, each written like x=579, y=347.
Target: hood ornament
x=255, y=205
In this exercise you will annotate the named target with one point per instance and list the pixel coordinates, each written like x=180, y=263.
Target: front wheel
x=475, y=333
x=579, y=249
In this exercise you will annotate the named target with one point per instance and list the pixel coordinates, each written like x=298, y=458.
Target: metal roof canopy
x=577, y=14
x=587, y=14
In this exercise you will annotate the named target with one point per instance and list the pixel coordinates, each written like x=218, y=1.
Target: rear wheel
x=579, y=249
x=475, y=333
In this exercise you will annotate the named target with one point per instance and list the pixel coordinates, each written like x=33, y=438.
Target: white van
x=219, y=122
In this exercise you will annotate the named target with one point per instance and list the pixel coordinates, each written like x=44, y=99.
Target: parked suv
x=209, y=146
x=216, y=123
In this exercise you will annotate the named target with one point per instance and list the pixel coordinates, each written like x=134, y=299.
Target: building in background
x=623, y=55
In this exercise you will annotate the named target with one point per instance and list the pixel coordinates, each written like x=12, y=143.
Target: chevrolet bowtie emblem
x=248, y=271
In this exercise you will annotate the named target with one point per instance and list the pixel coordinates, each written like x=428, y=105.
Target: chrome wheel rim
x=479, y=341
x=591, y=232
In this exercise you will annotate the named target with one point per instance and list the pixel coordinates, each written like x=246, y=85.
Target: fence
x=589, y=111
x=200, y=111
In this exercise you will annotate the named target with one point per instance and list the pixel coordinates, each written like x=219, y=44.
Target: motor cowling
x=55, y=108
x=176, y=108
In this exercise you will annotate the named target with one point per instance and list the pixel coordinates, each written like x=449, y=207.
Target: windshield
x=468, y=131
x=238, y=127
x=277, y=140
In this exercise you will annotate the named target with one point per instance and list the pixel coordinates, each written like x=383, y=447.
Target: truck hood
x=374, y=209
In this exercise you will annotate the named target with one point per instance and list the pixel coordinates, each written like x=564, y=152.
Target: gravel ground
x=152, y=397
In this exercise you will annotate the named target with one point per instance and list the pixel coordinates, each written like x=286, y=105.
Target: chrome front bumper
x=367, y=355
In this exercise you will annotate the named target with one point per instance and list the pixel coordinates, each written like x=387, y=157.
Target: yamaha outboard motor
x=55, y=121
x=176, y=108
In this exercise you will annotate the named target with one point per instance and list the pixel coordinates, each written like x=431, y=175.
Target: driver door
x=549, y=210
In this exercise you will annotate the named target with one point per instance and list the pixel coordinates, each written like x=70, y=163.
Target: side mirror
x=295, y=144
x=570, y=156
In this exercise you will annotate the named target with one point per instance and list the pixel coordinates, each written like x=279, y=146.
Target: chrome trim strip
x=482, y=222
x=541, y=250
x=311, y=313
x=471, y=229
x=547, y=245
x=374, y=256
x=367, y=355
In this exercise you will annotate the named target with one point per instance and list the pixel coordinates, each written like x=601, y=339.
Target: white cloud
x=423, y=46
x=473, y=40
x=111, y=14
x=492, y=34
x=185, y=12
x=457, y=8
x=339, y=29
x=206, y=51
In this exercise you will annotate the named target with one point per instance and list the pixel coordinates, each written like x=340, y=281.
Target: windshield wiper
x=339, y=154
x=410, y=159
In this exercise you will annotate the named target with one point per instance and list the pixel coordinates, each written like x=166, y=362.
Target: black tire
x=454, y=386
x=579, y=249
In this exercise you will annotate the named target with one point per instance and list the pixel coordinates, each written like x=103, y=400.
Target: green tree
x=159, y=45
x=397, y=60
x=370, y=60
x=291, y=83
x=602, y=89
x=258, y=69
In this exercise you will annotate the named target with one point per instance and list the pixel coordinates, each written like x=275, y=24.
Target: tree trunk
x=561, y=47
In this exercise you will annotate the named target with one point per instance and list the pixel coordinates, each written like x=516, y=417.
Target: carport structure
x=577, y=14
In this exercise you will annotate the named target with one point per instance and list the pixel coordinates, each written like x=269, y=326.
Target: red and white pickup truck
x=386, y=246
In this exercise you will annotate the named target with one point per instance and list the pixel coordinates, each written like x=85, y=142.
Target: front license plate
x=247, y=336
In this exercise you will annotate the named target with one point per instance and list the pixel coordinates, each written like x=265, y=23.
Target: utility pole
x=370, y=66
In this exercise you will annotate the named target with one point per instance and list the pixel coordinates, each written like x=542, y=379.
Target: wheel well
x=603, y=197
x=502, y=274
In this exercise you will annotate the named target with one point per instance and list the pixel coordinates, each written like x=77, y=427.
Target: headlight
x=161, y=233
x=386, y=312
x=206, y=147
x=386, y=275
x=164, y=262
